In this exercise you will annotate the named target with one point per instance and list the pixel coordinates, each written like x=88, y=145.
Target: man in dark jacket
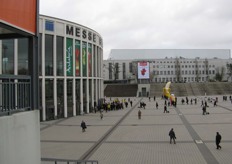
x=218, y=140
x=172, y=136
x=83, y=126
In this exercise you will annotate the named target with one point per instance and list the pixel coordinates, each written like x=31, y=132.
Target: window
x=8, y=56
x=124, y=70
x=110, y=71
x=130, y=67
x=48, y=55
x=23, y=56
x=59, y=56
x=49, y=25
x=40, y=53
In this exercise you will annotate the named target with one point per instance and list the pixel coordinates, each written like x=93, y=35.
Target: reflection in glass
x=78, y=103
x=40, y=53
x=90, y=96
x=23, y=56
x=8, y=56
x=85, y=96
x=60, y=98
x=49, y=99
x=60, y=57
x=70, y=97
x=40, y=99
x=48, y=55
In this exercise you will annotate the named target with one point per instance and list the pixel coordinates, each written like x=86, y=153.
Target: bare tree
x=178, y=70
x=207, y=69
x=197, y=70
x=229, y=70
x=220, y=72
x=114, y=70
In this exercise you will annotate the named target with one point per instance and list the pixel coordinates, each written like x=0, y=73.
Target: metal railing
x=66, y=161
x=15, y=94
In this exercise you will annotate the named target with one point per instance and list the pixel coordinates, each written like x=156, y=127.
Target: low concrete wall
x=20, y=138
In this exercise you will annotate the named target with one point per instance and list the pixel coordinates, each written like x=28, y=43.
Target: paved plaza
x=121, y=138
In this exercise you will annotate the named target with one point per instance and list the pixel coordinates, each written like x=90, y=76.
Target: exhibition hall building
x=70, y=66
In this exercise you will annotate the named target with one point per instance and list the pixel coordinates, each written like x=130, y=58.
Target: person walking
x=139, y=114
x=157, y=105
x=131, y=102
x=218, y=140
x=83, y=126
x=172, y=136
x=101, y=115
x=165, y=109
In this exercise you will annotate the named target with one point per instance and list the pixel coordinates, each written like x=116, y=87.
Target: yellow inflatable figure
x=166, y=92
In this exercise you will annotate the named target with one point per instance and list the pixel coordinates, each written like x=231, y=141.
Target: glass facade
x=59, y=56
x=23, y=56
x=48, y=55
x=8, y=56
x=70, y=97
x=69, y=68
x=60, y=98
x=49, y=99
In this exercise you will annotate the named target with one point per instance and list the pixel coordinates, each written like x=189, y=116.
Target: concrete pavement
x=146, y=140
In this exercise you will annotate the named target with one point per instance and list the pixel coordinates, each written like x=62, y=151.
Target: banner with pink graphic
x=143, y=70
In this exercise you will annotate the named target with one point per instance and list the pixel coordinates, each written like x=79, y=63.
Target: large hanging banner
x=69, y=57
x=90, y=59
x=143, y=70
x=84, y=59
x=77, y=56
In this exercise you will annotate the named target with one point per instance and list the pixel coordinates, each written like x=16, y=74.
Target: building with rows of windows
x=70, y=66
x=175, y=65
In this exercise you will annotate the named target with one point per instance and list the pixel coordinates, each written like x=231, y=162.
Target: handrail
x=15, y=94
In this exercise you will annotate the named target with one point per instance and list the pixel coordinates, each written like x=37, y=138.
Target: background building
x=177, y=65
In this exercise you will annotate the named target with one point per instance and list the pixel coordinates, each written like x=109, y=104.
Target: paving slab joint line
x=206, y=153
x=89, y=152
x=50, y=125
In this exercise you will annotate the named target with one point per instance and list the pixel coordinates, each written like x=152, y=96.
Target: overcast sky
x=150, y=24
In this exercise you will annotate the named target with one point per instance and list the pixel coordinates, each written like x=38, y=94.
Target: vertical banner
x=77, y=56
x=84, y=59
x=143, y=70
x=90, y=59
x=69, y=57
